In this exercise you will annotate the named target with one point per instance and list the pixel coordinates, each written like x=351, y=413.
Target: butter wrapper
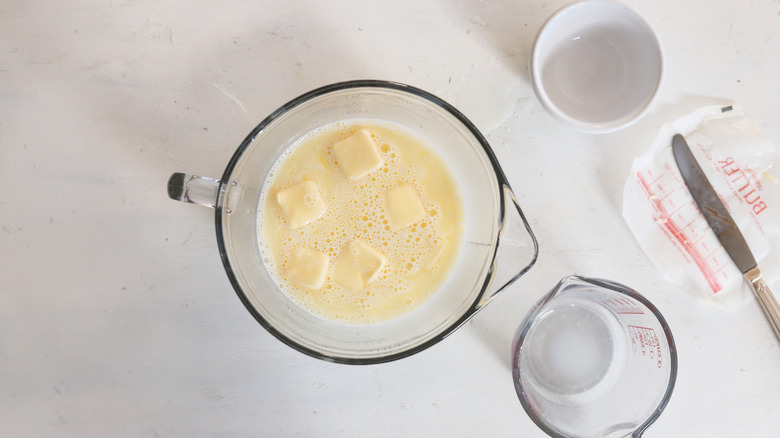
x=658, y=208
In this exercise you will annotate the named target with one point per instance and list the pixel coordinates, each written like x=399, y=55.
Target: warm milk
x=360, y=222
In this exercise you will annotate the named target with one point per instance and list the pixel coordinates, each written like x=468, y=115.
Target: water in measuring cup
x=571, y=348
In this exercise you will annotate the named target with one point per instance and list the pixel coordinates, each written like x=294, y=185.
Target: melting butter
x=360, y=222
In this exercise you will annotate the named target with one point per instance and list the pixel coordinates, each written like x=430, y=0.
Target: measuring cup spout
x=514, y=239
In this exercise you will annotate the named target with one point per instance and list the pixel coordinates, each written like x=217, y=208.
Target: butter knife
x=725, y=229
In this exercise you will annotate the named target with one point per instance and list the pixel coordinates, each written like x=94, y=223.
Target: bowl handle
x=193, y=189
x=515, y=239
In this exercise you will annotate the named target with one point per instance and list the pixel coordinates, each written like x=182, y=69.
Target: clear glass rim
x=246, y=144
x=619, y=288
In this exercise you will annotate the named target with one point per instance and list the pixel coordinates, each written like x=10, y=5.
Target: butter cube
x=308, y=268
x=301, y=203
x=403, y=206
x=358, y=265
x=357, y=155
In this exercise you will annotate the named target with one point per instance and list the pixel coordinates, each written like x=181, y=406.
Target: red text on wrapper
x=742, y=185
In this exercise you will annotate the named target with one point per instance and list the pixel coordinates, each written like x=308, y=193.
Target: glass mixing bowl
x=484, y=267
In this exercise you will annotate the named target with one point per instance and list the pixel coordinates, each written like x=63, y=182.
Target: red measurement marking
x=624, y=306
x=644, y=341
x=678, y=235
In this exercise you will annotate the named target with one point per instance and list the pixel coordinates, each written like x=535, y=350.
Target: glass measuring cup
x=594, y=358
x=497, y=245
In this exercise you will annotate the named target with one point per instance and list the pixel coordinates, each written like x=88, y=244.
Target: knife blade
x=727, y=231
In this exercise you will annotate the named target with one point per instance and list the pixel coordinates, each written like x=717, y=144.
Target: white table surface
x=116, y=316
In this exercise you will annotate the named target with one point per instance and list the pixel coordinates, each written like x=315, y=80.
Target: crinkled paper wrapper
x=658, y=208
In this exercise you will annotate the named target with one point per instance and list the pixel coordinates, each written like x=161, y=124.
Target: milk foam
x=416, y=265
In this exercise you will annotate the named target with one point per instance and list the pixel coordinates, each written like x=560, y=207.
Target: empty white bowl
x=596, y=65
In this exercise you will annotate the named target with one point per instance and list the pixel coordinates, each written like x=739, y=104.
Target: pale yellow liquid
x=419, y=256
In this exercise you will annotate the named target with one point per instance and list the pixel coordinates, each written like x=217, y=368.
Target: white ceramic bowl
x=596, y=65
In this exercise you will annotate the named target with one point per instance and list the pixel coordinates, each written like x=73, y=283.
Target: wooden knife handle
x=765, y=298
